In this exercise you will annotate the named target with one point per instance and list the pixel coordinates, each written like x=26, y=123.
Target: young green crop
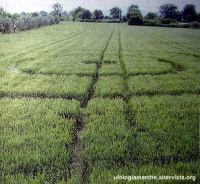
x=145, y=65
x=180, y=83
x=181, y=39
x=163, y=140
x=81, y=41
x=159, y=42
x=111, y=58
x=107, y=136
x=180, y=62
x=167, y=129
x=59, y=64
x=36, y=47
x=111, y=69
x=17, y=84
x=111, y=53
x=36, y=138
x=111, y=86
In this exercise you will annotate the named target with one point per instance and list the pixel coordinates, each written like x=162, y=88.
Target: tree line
x=167, y=13
x=9, y=23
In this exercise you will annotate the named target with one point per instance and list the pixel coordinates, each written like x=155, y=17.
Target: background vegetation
x=168, y=16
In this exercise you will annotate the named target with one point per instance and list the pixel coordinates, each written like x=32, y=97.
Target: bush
x=98, y=20
x=135, y=20
x=173, y=25
x=111, y=21
x=150, y=22
x=165, y=21
x=79, y=20
x=151, y=15
x=174, y=20
x=108, y=17
x=161, y=25
x=186, y=25
x=195, y=25
x=67, y=18
x=89, y=20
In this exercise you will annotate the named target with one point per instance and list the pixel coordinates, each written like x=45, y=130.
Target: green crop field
x=86, y=102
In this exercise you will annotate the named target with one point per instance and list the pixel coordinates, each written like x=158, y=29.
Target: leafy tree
x=169, y=11
x=1, y=10
x=14, y=23
x=135, y=20
x=189, y=13
x=198, y=17
x=93, y=17
x=116, y=13
x=7, y=15
x=15, y=15
x=151, y=15
x=71, y=13
x=27, y=22
x=5, y=25
x=124, y=19
x=3, y=13
x=98, y=14
x=23, y=14
x=43, y=13
x=58, y=9
x=133, y=10
x=65, y=13
x=86, y=14
x=134, y=15
x=35, y=14
x=79, y=9
x=178, y=15
x=7, y=21
x=52, y=13
x=79, y=15
x=108, y=17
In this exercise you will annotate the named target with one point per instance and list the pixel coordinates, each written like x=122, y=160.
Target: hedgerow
x=13, y=24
